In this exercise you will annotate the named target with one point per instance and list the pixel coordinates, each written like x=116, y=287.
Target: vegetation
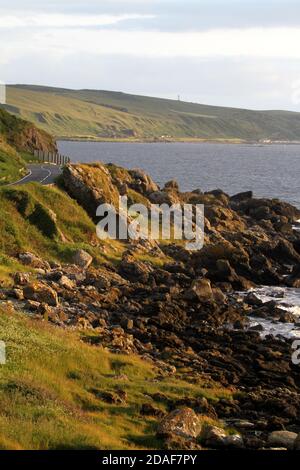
x=12, y=165
x=110, y=115
x=50, y=391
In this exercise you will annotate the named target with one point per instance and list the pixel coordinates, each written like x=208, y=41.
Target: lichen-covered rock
x=181, y=422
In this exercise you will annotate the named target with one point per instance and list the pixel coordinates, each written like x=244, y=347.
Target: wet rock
x=181, y=422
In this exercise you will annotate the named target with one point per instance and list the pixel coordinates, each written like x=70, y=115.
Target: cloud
x=252, y=42
x=50, y=20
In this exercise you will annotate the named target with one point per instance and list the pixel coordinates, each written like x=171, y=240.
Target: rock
x=234, y=441
x=297, y=443
x=212, y=436
x=66, y=283
x=142, y=182
x=90, y=186
x=284, y=439
x=173, y=185
x=181, y=422
x=164, y=197
x=21, y=279
x=149, y=410
x=200, y=290
x=252, y=299
x=114, y=398
x=32, y=305
x=82, y=259
x=40, y=292
x=242, y=196
x=29, y=259
x=218, y=296
x=134, y=270
x=17, y=294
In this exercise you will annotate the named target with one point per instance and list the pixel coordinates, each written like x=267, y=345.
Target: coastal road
x=44, y=174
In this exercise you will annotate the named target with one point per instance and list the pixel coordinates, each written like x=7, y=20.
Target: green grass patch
x=51, y=386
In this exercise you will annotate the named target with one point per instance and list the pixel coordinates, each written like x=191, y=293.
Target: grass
x=12, y=165
x=116, y=116
x=51, y=384
x=46, y=221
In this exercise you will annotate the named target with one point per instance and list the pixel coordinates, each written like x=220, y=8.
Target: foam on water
x=286, y=298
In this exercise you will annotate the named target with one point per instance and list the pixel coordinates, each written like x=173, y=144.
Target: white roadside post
x=2, y=93
x=2, y=353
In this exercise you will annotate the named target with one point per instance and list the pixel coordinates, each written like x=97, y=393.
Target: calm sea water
x=270, y=170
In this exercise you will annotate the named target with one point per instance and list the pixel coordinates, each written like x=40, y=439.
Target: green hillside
x=104, y=114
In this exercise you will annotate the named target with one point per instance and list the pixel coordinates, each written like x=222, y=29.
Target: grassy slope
x=25, y=225
x=12, y=165
x=91, y=113
x=46, y=391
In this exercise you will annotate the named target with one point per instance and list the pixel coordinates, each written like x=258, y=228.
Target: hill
x=18, y=140
x=114, y=115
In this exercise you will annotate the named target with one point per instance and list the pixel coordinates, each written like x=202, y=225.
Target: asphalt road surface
x=44, y=174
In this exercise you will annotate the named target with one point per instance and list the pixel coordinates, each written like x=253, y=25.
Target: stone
x=40, y=292
x=234, y=441
x=29, y=259
x=200, y=290
x=82, y=259
x=212, y=436
x=181, y=422
x=21, y=279
x=297, y=442
x=242, y=196
x=284, y=439
x=67, y=283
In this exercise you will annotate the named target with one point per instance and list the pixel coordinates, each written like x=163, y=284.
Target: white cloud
x=64, y=21
x=252, y=42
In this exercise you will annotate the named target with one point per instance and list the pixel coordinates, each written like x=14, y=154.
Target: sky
x=237, y=53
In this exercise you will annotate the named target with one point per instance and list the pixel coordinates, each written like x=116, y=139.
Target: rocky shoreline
x=187, y=316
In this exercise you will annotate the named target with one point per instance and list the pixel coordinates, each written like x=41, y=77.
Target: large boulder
x=284, y=439
x=40, y=292
x=181, y=422
x=91, y=185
